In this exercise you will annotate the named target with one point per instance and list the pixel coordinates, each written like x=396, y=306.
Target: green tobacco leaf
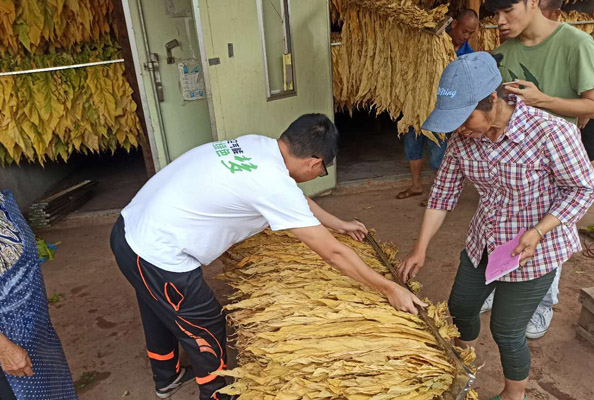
x=23, y=32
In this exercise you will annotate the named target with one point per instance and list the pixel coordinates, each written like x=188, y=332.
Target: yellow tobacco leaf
x=30, y=15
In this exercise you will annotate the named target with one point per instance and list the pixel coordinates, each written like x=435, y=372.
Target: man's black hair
x=312, y=135
x=498, y=58
x=494, y=5
x=467, y=12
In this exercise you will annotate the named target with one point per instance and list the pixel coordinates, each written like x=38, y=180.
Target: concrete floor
x=99, y=325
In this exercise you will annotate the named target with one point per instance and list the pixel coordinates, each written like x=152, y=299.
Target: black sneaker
x=185, y=375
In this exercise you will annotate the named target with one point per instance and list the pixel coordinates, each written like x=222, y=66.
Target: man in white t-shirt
x=201, y=204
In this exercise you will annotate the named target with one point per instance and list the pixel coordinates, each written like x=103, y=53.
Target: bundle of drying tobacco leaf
x=305, y=331
x=387, y=61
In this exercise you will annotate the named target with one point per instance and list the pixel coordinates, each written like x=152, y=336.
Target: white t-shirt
x=210, y=198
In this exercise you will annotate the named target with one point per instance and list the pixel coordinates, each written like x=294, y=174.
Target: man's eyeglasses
x=325, y=173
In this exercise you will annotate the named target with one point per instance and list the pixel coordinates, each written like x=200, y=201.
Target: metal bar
x=465, y=378
x=581, y=22
x=51, y=69
x=570, y=23
x=441, y=27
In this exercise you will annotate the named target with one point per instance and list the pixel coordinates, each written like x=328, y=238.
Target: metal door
x=268, y=62
x=164, y=41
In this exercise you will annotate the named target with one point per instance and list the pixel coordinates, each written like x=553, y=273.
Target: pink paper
x=501, y=262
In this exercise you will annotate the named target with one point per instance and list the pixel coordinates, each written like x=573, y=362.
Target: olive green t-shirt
x=561, y=66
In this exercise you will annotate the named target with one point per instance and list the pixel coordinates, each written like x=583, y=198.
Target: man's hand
x=403, y=300
x=582, y=122
x=411, y=265
x=529, y=94
x=527, y=246
x=355, y=229
x=15, y=360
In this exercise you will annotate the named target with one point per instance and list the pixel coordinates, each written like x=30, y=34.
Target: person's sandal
x=405, y=194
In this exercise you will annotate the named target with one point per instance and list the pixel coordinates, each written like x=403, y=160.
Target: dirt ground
x=98, y=321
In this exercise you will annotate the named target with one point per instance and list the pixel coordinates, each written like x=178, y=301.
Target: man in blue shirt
x=460, y=31
x=462, y=28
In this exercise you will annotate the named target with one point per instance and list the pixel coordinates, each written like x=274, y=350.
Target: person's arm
x=444, y=196
x=580, y=66
x=572, y=174
x=345, y=260
x=14, y=360
x=355, y=229
x=577, y=108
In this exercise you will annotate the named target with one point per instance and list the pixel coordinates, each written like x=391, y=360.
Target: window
x=277, y=48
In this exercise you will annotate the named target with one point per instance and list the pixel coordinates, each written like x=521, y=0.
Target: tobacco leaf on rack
x=375, y=68
x=50, y=115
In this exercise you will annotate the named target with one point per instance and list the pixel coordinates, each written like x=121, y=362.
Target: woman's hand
x=411, y=265
x=527, y=246
x=355, y=229
x=403, y=300
x=15, y=360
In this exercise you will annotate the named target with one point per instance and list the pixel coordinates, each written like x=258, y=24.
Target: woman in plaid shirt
x=532, y=172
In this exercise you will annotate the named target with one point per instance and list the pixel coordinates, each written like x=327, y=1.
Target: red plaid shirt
x=537, y=166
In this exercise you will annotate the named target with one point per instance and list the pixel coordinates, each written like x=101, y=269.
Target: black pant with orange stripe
x=176, y=308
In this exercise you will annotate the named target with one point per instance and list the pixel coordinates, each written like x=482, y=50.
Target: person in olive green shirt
x=549, y=65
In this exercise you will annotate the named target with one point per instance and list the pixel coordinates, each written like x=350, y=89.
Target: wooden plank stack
x=46, y=211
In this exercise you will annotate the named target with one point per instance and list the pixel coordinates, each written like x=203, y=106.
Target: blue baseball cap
x=464, y=83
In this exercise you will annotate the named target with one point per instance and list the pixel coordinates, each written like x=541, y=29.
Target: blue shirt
x=464, y=49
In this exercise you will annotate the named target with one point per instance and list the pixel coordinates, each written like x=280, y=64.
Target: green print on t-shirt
x=238, y=161
x=528, y=76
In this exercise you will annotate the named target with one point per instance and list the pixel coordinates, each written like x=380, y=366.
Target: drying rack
x=590, y=22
